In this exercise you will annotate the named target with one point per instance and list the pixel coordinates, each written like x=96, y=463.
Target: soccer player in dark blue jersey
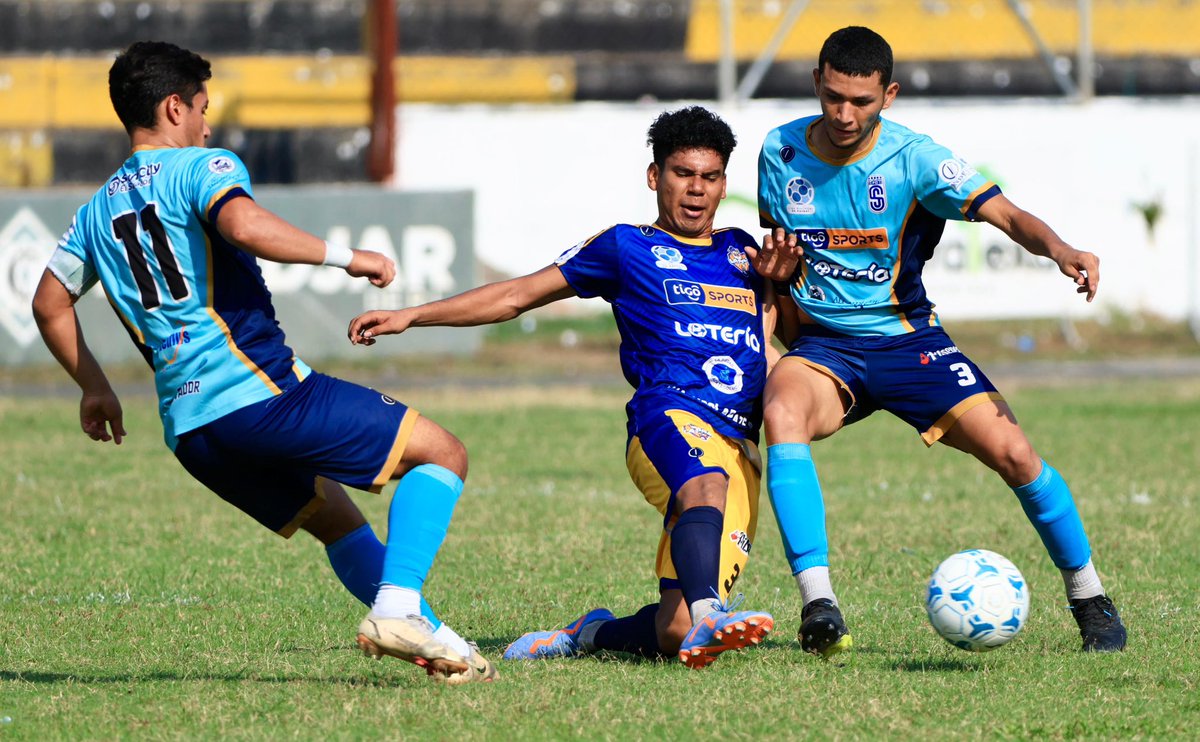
x=695, y=317
x=868, y=200
x=173, y=237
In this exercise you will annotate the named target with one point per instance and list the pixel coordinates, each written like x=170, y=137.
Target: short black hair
x=857, y=51
x=690, y=128
x=146, y=73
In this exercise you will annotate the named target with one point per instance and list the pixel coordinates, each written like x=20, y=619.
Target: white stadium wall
x=546, y=177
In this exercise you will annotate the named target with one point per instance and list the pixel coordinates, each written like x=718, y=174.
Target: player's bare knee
x=1017, y=463
x=706, y=490
x=433, y=444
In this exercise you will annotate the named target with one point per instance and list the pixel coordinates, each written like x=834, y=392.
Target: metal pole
x=727, y=64
x=1086, y=58
x=1193, y=242
x=766, y=57
x=1065, y=83
x=381, y=33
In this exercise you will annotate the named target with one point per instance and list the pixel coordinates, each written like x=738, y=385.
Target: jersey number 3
x=125, y=227
x=965, y=376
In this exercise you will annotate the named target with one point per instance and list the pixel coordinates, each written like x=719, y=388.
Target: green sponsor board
x=430, y=236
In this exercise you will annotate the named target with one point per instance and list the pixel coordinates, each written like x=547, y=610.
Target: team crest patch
x=220, y=165
x=876, y=194
x=738, y=259
x=723, y=374
x=696, y=431
x=668, y=257
x=800, y=194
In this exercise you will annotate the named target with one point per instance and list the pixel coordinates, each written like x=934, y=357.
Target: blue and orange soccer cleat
x=721, y=631
x=557, y=643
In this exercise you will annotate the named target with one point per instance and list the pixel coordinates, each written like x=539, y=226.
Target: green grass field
x=135, y=604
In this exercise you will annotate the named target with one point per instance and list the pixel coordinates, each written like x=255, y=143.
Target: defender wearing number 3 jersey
x=867, y=200
x=174, y=237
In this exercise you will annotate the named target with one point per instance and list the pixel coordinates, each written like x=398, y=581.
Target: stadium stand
x=292, y=98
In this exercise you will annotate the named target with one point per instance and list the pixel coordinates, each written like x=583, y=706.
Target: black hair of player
x=693, y=127
x=857, y=51
x=147, y=73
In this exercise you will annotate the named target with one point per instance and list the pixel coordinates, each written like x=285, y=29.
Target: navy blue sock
x=633, y=634
x=696, y=552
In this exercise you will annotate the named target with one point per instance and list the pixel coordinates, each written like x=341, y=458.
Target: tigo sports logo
x=723, y=297
x=928, y=357
x=844, y=239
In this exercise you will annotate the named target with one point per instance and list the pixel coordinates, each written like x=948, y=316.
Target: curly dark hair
x=146, y=73
x=857, y=51
x=690, y=128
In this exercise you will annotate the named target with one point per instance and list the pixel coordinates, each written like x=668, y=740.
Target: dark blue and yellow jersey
x=690, y=316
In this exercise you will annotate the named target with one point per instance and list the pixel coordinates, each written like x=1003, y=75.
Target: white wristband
x=339, y=256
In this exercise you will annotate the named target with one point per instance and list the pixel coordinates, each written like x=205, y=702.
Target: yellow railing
x=952, y=29
x=278, y=91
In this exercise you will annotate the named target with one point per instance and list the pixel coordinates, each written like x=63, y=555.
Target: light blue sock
x=799, y=507
x=417, y=521
x=357, y=560
x=1049, y=506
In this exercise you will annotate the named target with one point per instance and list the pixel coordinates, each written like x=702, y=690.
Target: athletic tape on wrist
x=339, y=256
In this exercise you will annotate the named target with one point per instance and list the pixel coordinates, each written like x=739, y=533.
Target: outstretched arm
x=264, y=235
x=99, y=408
x=485, y=305
x=1034, y=235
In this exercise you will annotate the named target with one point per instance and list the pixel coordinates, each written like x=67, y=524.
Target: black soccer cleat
x=1099, y=624
x=823, y=631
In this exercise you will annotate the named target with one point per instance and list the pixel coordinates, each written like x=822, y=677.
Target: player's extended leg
x=801, y=405
x=696, y=539
x=431, y=472
x=354, y=551
x=990, y=432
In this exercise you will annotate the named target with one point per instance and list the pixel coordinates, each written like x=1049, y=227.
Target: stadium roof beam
x=727, y=66
x=1065, y=83
x=754, y=75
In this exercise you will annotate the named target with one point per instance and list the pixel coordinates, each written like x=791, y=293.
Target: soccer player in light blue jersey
x=173, y=237
x=868, y=200
x=695, y=317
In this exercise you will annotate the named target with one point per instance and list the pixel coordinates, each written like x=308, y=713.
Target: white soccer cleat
x=481, y=670
x=411, y=639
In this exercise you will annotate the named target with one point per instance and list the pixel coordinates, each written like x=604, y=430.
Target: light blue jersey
x=867, y=224
x=196, y=306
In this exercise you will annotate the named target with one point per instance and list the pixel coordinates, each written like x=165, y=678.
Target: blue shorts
x=265, y=458
x=671, y=446
x=921, y=377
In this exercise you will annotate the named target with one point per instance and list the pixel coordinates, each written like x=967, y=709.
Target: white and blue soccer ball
x=977, y=600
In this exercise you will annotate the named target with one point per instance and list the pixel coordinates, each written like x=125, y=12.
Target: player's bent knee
x=432, y=444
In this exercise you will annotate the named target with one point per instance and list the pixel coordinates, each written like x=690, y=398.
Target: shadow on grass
x=55, y=678
x=935, y=665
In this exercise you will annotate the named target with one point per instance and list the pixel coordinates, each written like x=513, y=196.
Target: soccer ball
x=977, y=600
